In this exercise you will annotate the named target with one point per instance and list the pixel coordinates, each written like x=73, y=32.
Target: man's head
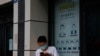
x=42, y=42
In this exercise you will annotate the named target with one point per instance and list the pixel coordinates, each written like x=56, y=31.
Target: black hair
x=42, y=39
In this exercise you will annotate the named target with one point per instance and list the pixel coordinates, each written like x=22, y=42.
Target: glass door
x=6, y=35
x=9, y=36
x=6, y=29
x=67, y=27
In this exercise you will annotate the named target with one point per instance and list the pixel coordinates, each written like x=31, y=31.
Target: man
x=44, y=49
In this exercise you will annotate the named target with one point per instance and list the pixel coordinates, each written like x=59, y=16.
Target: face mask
x=44, y=47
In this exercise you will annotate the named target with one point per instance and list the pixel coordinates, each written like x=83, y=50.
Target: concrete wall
x=36, y=24
x=4, y=1
x=39, y=9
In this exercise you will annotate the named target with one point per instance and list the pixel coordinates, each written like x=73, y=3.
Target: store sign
x=67, y=27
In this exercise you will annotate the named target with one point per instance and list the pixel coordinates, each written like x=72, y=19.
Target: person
x=44, y=49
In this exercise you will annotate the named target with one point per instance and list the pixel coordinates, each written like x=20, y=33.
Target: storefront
x=70, y=25
x=66, y=27
x=75, y=27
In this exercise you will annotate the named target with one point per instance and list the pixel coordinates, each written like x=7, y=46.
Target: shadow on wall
x=45, y=4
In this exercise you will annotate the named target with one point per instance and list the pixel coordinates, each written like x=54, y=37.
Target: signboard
x=67, y=27
x=10, y=44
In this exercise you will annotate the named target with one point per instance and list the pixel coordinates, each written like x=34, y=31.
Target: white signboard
x=67, y=27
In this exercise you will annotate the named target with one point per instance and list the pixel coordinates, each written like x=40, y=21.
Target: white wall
x=4, y=1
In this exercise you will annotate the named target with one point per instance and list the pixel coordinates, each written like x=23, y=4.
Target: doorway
x=6, y=29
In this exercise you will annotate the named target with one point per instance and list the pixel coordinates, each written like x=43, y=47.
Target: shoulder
x=52, y=47
x=38, y=50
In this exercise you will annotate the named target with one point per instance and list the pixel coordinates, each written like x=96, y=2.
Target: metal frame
x=51, y=22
